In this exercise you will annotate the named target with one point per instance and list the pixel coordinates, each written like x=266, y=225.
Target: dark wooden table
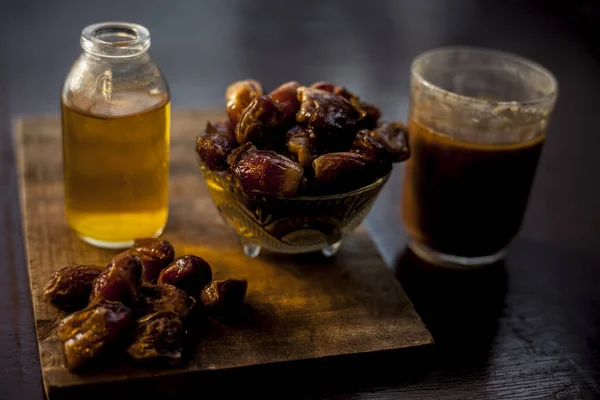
x=526, y=328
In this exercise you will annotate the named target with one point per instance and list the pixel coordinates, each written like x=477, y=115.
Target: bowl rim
x=378, y=182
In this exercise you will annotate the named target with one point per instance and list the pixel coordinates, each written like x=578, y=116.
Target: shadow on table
x=459, y=307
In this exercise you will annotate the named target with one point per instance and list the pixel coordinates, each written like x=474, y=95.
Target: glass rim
x=136, y=39
x=551, y=96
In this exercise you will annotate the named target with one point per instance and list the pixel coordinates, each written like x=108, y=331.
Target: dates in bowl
x=296, y=169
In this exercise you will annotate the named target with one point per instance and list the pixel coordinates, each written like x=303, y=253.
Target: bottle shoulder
x=114, y=87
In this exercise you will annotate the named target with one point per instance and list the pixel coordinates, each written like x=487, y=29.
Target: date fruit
x=163, y=297
x=335, y=89
x=158, y=339
x=161, y=250
x=238, y=96
x=332, y=166
x=366, y=111
x=151, y=267
x=366, y=146
x=332, y=119
x=155, y=255
x=370, y=114
x=213, y=150
x=87, y=333
x=120, y=280
x=298, y=143
x=264, y=172
x=69, y=288
x=225, y=295
x=260, y=123
x=286, y=98
x=190, y=273
x=371, y=118
x=394, y=137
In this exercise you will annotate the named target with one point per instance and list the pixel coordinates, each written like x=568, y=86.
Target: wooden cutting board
x=298, y=307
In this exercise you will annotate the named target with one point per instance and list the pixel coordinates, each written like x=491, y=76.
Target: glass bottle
x=116, y=132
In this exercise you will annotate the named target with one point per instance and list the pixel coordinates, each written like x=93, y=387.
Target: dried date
x=69, y=288
x=371, y=116
x=298, y=143
x=87, y=333
x=333, y=166
x=332, y=119
x=159, y=249
x=286, y=98
x=394, y=137
x=151, y=267
x=189, y=273
x=264, y=172
x=158, y=339
x=224, y=296
x=369, y=113
x=238, y=96
x=120, y=280
x=163, y=297
x=366, y=146
x=155, y=254
x=335, y=89
x=260, y=123
x=213, y=149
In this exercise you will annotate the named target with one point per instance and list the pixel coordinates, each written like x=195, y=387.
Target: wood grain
x=298, y=307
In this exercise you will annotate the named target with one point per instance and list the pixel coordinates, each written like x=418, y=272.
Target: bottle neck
x=115, y=40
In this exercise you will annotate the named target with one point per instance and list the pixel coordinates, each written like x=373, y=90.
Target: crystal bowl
x=290, y=225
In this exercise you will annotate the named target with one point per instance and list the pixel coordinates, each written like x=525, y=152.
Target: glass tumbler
x=477, y=124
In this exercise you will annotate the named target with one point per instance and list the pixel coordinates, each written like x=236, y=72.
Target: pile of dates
x=143, y=303
x=300, y=141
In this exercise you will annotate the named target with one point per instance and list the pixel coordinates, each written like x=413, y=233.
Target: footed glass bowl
x=297, y=225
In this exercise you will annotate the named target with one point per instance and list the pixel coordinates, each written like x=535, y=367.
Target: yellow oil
x=116, y=170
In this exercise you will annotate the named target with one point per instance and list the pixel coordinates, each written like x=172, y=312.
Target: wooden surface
x=530, y=329
x=298, y=308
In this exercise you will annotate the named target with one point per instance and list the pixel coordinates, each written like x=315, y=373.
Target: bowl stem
x=252, y=250
x=330, y=251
